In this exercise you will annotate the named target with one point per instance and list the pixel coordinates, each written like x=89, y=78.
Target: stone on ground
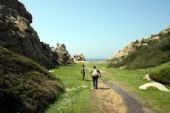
x=156, y=85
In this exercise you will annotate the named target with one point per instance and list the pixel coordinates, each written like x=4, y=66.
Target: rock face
x=25, y=86
x=61, y=54
x=18, y=7
x=79, y=58
x=16, y=34
x=147, y=52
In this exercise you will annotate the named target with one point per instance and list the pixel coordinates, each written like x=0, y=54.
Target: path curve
x=132, y=105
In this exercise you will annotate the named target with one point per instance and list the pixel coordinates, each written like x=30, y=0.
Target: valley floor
x=81, y=98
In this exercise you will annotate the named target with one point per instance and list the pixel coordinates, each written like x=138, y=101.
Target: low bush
x=163, y=76
x=25, y=86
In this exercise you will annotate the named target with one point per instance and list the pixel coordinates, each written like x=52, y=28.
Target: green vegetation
x=25, y=86
x=163, y=76
x=130, y=80
x=78, y=96
x=155, y=53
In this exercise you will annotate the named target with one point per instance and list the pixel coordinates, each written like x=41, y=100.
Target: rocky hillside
x=25, y=86
x=16, y=34
x=147, y=52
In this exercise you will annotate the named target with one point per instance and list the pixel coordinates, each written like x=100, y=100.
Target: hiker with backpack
x=95, y=73
x=83, y=71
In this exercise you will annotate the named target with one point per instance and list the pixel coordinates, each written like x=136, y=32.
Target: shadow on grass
x=88, y=80
x=103, y=88
x=52, y=102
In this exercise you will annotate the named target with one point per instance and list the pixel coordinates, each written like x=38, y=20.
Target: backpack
x=95, y=73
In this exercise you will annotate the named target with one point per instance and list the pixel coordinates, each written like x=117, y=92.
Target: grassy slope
x=156, y=53
x=130, y=80
x=25, y=86
x=77, y=98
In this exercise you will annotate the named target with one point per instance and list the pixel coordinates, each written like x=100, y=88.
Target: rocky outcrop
x=25, y=86
x=134, y=46
x=16, y=34
x=147, y=52
x=79, y=58
x=61, y=54
x=18, y=7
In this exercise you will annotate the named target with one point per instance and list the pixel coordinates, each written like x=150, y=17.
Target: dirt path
x=132, y=104
x=112, y=99
x=108, y=100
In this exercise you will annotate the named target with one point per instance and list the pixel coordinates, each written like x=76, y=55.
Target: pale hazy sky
x=97, y=28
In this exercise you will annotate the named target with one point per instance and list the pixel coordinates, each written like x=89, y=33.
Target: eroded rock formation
x=61, y=54
x=16, y=34
x=79, y=58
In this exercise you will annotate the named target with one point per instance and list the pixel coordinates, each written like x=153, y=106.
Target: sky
x=97, y=28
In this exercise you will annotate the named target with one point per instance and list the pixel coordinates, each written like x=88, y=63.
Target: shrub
x=163, y=76
x=25, y=86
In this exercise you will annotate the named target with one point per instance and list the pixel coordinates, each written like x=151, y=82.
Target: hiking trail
x=112, y=99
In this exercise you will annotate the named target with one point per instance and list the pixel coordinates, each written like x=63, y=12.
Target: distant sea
x=95, y=59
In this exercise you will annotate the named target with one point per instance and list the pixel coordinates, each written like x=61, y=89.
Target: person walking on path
x=83, y=71
x=95, y=73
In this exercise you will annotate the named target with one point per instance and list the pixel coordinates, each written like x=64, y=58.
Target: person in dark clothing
x=95, y=73
x=83, y=71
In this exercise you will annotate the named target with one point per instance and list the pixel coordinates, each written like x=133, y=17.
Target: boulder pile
x=79, y=58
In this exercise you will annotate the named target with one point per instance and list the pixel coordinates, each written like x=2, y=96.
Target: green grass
x=77, y=98
x=130, y=80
